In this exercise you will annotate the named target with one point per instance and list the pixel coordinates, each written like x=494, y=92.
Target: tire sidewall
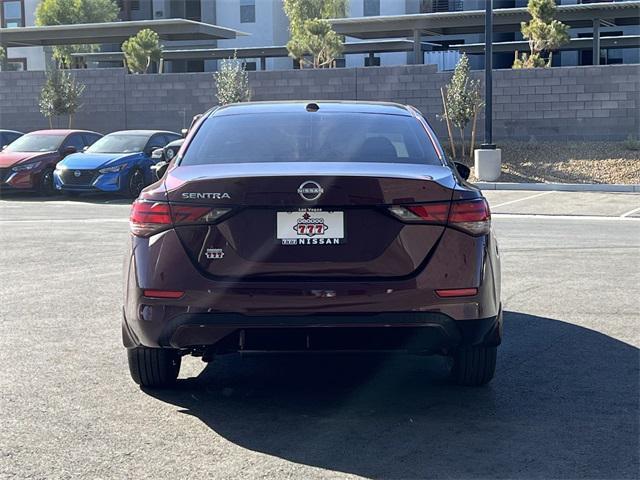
x=133, y=191
x=46, y=187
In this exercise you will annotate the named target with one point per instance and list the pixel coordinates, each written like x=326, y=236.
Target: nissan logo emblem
x=310, y=191
x=77, y=173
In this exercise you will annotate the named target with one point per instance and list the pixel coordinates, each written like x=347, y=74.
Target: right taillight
x=471, y=216
x=148, y=218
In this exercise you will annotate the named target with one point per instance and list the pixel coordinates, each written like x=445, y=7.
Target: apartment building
x=267, y=25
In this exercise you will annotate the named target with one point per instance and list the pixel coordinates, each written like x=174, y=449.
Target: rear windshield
x=310, y=137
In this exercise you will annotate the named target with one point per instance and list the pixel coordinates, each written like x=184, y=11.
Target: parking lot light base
x=488, y=163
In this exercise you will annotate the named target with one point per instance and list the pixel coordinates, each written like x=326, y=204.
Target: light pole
x=488, y=76
x=488, y=158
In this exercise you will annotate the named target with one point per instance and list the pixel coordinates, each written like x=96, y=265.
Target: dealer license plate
x=310, y=227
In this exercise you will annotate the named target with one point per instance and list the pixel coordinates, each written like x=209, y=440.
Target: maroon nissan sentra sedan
x=325, y=226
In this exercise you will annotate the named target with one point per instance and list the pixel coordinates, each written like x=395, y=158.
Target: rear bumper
x=210, y=310
x=408, y=331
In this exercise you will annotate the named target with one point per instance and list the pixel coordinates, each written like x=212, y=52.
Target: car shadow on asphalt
x=564, y=404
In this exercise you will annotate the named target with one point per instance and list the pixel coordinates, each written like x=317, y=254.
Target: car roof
x=141, y=132
x=62, y=131
x=10, y=131
x=333, y=106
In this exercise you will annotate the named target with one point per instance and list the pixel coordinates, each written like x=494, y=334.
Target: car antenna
x=312, y=107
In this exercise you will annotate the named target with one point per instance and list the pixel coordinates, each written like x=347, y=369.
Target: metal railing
x=430, y=6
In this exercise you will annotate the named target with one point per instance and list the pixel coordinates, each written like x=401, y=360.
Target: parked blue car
x=119, y=163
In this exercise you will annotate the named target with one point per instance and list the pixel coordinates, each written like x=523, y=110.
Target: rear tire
x=474, y=366
x=154, y=367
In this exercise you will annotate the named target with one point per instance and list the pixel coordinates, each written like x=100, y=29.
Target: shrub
x=632, y=143
x=232, y=82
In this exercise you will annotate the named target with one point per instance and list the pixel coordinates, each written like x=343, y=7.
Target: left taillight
x=148, y=218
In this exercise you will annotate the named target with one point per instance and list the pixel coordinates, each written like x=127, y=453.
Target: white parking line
x=522, y=199
x=630, y=212
x=69, y=220
x=564, y=217
x=62, y=203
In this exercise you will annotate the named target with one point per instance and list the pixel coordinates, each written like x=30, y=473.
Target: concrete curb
x=560, y=187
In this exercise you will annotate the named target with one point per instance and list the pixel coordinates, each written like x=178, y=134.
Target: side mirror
x=3, y=147
x=184, y=132
x=463, y=170
x=149, y=151
x=159, y=169
x=69, y=150
x=85, y=148
x=157, y=155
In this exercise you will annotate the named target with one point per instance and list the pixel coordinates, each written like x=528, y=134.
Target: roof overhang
x=627, y=41
x=113, y=32
x=380, y=46
x=472, y=21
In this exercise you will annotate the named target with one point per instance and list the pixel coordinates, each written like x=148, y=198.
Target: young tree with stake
x=60, y=95
x=462, y=101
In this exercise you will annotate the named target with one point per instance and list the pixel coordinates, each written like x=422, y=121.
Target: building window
x=16, y=64
x=12, y=13
x=247, y=11
x=371, y=8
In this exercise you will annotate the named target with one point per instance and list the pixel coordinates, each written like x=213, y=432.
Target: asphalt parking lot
x=564, y=403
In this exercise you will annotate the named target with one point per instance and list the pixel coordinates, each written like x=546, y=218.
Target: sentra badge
x=205, y=195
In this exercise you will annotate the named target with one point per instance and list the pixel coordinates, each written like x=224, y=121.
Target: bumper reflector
x=457, y=292
x=162, y=293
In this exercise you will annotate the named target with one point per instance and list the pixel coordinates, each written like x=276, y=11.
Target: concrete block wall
x=103, y=101
x=560, y=103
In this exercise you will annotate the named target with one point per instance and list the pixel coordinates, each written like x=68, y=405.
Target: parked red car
x=28, y=162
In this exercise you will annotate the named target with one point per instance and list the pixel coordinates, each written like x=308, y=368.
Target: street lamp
x=488, y=76
x=488, y=158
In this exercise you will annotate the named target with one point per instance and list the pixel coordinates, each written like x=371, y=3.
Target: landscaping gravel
x=568, y=162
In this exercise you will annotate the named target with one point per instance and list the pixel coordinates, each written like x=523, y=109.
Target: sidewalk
x=559, y=187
